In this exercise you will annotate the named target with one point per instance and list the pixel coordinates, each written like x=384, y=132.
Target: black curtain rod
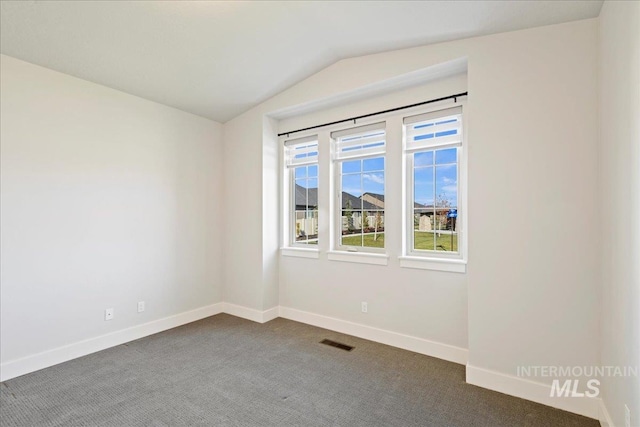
x=454, y=97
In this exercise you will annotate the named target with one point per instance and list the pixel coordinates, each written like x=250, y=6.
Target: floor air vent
x=337, y=345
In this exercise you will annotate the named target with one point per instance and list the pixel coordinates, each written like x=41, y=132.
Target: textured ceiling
x=218, y=59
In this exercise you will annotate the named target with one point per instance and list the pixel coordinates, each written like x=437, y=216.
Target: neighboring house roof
x=301, y=200
x=303, y=193
x=355, y=203
x=375, y=196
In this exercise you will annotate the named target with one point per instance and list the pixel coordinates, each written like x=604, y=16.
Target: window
x=301, y=157
x=424, y=167
x=433, y=144
x=359, y=157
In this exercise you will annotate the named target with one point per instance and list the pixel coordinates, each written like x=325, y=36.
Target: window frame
x=290, y=179
x=395, y=175
x=412, y=256
x=336, y=176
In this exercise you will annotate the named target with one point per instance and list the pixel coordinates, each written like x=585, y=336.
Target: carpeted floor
x=226, y=371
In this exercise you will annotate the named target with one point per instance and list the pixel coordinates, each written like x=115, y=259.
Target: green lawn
x=423, y=240
x=355, y=240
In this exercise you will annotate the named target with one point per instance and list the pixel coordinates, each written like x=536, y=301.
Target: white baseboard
x=250, y=313
x=407, y=342
x=272, y=313
x=603, y=416
x=531, y=390
x=511, y=385
x=35, y=362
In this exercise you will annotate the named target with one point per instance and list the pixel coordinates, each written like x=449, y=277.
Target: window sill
x=359, y=257
x=300, y=252
x=437, y=264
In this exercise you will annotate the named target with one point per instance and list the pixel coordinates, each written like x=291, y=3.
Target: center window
x=360, y=168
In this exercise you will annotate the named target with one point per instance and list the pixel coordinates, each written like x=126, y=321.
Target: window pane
x=423, y=189
x=312, y=171
x=423, y=240
x=301, y=172
x=351, y=209
x=423, y=159
x=305, y=214
x=447, y=186
x=448, y=155
x=312, y=184
x=424, y=200
x=352, y=166
x=435, y=192
x=446, y=238
x=352, y=184
x=373, y=205
x=361, y=188
x=362, y=207
x=375, y=164
x=311, y=226
x=373, y=182
x=443, y=241
x=373, y=234
x=301, y=200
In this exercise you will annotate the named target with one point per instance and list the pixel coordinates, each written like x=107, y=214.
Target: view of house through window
x=306, y=204
x=432, y=150
x=361, y=182
x=302, y=163
x=433, y=142
x=435, y=206
x=362, y=200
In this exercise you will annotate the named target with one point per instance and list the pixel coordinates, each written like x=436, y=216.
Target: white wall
x=533, y=276
x=533, y=245
x=107, y=199
x=242, y=256
x=620, y=202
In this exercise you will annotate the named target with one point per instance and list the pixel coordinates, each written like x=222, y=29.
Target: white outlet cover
x=108, y=314
x=140, y=306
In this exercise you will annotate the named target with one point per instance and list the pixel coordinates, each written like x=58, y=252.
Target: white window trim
x=359, y=257
x=435, y=260
x=406, y=260
x=424, y=263
x=409, y=250
x=298, y=249
x=300, y=252
x=337, y=247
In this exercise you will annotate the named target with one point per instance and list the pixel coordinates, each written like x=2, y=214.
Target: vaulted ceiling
x=218, y=59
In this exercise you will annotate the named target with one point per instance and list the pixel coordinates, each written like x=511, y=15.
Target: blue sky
x=443, y=171
x=307, y=176
x=363, y=176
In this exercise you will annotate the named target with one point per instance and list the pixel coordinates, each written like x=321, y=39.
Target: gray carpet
x=226, y=371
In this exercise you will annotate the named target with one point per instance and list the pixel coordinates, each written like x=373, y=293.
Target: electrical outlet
x=108, y=314
x=140, y=306
x=627, y=416
x=365, y=307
